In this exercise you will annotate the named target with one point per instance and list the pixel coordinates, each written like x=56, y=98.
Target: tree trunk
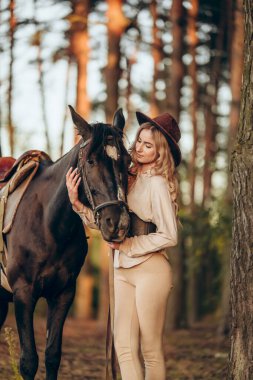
x=37, y=41
x=241, y=353
x=0, y=99
x=79, y=47
x=12, y=27
x=65, y=117
x=211, y=127
x=192, y=39
x=236, y=66
x=177, y=18
x=116, y=25
x=157, y=53
x=175, y=310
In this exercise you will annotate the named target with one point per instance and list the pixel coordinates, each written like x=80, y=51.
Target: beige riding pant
x=141, y=294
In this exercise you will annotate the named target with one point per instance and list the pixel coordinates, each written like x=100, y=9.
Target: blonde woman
x=142, y=272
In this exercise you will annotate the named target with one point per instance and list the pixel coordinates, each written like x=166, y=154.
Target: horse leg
x=3, y=311
x=24, y=307
x=57, y=311
x=5, y=298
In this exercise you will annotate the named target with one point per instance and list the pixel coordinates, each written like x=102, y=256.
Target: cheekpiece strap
x=95, y=209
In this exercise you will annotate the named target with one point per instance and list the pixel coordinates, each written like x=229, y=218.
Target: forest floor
x=195, y=354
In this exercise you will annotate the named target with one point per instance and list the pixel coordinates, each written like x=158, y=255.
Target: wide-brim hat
x=169, y=128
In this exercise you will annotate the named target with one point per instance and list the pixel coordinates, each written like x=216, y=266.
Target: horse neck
x=61, y=215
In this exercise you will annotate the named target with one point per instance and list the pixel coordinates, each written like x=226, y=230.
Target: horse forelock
x=103, y=135
x=106, y=144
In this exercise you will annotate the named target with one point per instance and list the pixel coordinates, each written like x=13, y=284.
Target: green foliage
x=206, y=237
x=9, y=337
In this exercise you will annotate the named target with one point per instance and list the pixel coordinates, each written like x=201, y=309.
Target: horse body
x=44, y=224
x=46, y=250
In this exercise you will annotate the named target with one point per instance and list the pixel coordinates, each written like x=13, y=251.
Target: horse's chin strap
x=95, y=209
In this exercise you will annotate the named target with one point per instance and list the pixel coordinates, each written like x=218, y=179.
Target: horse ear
x=119, y=120
x=84, y=128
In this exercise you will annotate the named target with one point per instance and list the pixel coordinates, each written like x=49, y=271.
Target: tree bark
x=0, y=101
x=12, y=27
x=236, y=67
x=79, y=47
x=176, y=312
x=116, y=25
x=211, y=127
x=157, y=53
x=65, y=117
x=241, y=352
x=177, y=18
x=192, y=39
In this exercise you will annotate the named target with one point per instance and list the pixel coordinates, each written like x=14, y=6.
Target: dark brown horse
x=47, y=243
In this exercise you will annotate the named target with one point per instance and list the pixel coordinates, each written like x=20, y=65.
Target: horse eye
x=90, y=162
x=93, y=191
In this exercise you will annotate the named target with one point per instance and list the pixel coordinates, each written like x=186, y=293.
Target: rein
x=81, y=169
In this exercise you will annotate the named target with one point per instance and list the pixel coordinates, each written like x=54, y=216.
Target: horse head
x=103, y=164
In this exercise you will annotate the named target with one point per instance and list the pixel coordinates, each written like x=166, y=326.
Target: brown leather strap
x=110, y=349
x=3, y=201
x=139, y=227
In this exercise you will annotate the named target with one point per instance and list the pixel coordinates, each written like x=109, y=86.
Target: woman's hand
x=114, y=245
x=73, y=180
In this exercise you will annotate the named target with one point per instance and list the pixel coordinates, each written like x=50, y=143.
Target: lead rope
x=110, y=349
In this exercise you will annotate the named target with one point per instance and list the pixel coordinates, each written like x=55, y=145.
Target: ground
x=195, y=354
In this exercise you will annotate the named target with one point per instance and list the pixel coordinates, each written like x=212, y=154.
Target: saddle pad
x=17, y=187
x=15, y=197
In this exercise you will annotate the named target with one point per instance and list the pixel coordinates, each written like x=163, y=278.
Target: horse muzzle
x=114, y=224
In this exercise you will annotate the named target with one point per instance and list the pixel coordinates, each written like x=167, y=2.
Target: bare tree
x=12, y=27
x=176, y=301
x=177, y=17
x=37, y=41
x=79, y=47
x=157, y=53
x=192, y=39
x=116, y=25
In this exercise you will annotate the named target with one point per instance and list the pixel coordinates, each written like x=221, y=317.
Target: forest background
x=184, y=57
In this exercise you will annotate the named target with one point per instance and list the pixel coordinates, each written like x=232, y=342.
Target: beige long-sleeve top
x=149, y=198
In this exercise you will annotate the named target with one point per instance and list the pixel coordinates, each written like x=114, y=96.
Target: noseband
x=81, y=169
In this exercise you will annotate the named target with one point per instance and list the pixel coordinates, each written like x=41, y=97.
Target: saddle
x=15, y=177
x=9, y=165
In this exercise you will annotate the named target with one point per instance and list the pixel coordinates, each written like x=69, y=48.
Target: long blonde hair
x=164, y=164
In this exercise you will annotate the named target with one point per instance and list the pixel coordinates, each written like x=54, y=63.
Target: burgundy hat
x=170, y=129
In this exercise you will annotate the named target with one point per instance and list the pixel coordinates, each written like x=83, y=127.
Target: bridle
x=81, y=168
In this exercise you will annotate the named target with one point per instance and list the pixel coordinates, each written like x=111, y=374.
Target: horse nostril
x=110, y=224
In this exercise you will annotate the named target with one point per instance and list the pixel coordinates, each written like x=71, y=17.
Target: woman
x=142, y=274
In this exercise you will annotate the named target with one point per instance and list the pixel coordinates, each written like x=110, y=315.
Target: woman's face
x=146, y=152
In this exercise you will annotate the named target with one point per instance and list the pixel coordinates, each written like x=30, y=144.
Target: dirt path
x=195, y=354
